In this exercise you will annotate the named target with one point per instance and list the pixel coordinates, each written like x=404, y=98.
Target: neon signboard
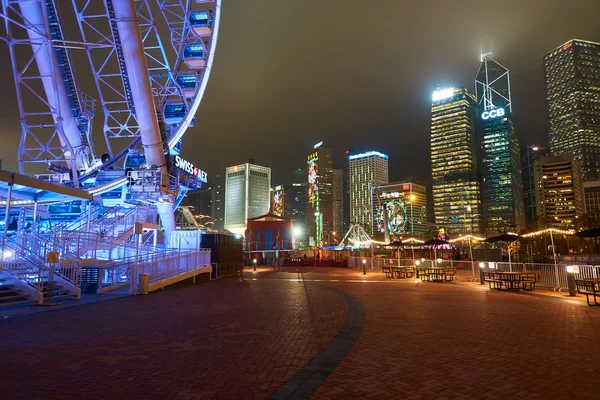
x=190, y=169
x=316, y=146
x=492, y=114
x=278, y=201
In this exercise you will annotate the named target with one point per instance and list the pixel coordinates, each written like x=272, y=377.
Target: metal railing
x=35, y=249
x=174, y=263
x=549, y=275
x=22, y=268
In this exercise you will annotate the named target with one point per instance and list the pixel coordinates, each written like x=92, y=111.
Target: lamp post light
x=481, y=268
x=364, y=262
x=254, y=261
x=571, y=279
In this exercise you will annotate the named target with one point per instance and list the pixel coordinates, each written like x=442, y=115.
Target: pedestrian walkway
x=329, y=334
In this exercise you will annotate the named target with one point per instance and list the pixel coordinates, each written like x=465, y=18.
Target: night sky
x=355, y=74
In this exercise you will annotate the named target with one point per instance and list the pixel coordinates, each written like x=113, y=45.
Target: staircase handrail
x=68, y=266
x=13, y=264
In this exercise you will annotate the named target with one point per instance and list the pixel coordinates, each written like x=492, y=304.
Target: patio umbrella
x=435, y=243
x=505, y=238
x=589, y=233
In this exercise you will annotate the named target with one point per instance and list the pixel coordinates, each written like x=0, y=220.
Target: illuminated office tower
x=455, y=182
x=573, y=93
x=294, y=207
x=247, y=195
x=500, y=166
x=366, y=170
x=319, y=212
x=560, y=190
x=405, y=207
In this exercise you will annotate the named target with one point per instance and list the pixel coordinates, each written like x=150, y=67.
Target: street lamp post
x=468, y=209
x=364, y=262
x=254, y=261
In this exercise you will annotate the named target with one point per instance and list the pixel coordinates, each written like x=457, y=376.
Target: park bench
x=405, y=272
x=388, y=271
x=490, y=278
x=528, y=280
x=589, y=287
x=449, y=273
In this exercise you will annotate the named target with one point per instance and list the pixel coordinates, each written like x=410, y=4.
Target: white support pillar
x=128, y=25
x=89, y=215
x=48, y=68
x=6, y=221
x=34, y=224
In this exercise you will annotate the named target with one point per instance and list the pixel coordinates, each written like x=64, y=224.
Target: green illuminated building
x=501, y=185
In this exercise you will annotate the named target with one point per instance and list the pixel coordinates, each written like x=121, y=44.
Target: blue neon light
x=368, y=154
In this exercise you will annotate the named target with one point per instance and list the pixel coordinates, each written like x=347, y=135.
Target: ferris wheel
x=144, y=65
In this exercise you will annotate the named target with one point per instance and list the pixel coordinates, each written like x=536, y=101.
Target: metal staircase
x=66, y=70
x=29, y=278
x=119, y=50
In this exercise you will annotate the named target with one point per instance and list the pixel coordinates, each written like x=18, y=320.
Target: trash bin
x=144, y=278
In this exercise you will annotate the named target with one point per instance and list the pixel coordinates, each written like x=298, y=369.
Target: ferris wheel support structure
x=141, y=92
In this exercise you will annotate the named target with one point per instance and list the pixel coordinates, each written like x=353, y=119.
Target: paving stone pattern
x=228, y=339
x=270, y=335
x=438, y=341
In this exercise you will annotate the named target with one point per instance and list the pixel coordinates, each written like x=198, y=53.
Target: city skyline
x=256, y=102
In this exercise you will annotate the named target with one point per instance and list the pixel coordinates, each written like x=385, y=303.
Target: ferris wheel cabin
x=188, y=84
x=174, y=112
x=201, y=22
x=195, y=55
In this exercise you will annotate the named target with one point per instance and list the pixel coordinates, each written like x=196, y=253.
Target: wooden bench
x=405, y=272
x=589, y=287
x=528, y=280
x=490, y=278
x=449, y=273
x=389, y=273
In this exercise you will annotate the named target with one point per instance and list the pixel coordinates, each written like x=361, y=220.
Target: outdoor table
x=433, y=274
x=512, y=279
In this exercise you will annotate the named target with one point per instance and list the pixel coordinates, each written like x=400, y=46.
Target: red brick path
x=239, y=340
x=227, y=339
x=432, y=341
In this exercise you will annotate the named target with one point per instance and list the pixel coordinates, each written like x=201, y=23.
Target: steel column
x=49, y=70
x=141, y=91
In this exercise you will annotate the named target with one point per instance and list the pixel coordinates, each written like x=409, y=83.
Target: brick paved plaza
x=334, y=334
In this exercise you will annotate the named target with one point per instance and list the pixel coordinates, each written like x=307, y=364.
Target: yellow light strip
x=545, y=231
x=467, y=237
x=413, y=240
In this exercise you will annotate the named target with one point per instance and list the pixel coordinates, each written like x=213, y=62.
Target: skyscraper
x=294, y=206
x=529, y=155
x=500, y=166
x=319, y=212
x=367, y=170
x=560, y=190
x=247, y=195
x=573, y=93
x=338, y=204
x=456, y=188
